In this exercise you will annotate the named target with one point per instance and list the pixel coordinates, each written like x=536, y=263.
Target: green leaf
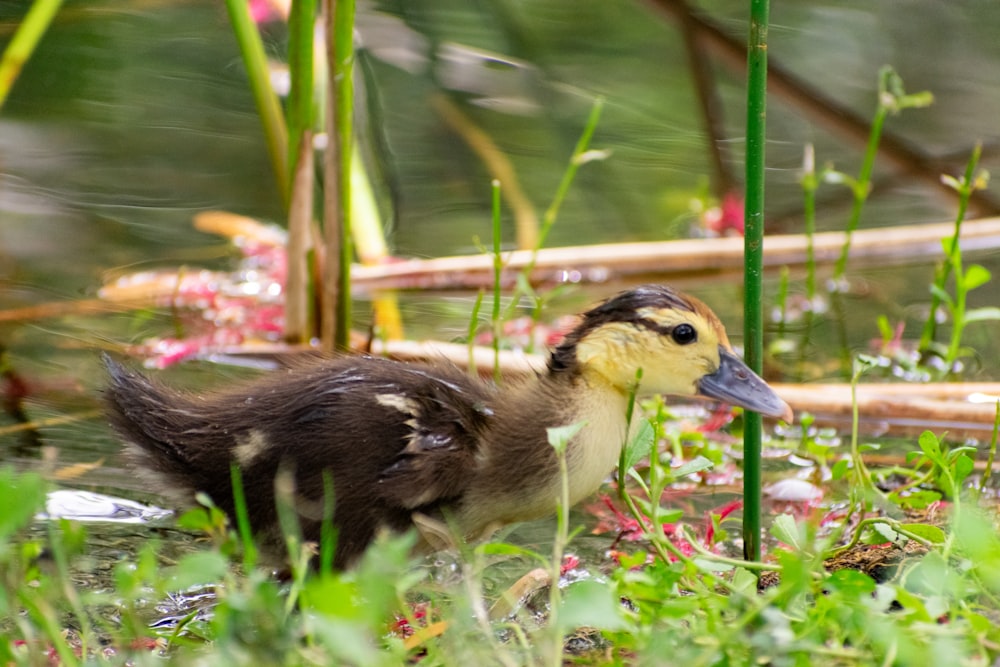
x=856, y=584
x=590, y=603
x=931, y=447
x=975, y=276
x=951, y=182
x=913, y=605
x=839, y=178
x=887, y=534
x=349, y=640
x=916, y=100
x=669, y=515
x=963, y=466
x=21, y=496
x=839, y=469
x=509, y=550
x=199, y=568
x=982, y=314
x=706, y=565
x=697, y=464
x=629, y=561
x=559, y=436
x=926, y=531
x=640, y=445
x=785, y=530
x=884, y=328
x=941, y=294
x=917, y=499
x=744, y=581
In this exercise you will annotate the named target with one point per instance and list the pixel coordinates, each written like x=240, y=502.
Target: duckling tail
x=148, y=417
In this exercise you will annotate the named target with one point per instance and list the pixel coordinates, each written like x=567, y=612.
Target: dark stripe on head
x=623, y=307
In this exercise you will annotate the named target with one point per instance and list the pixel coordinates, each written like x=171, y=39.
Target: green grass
x=674, y=594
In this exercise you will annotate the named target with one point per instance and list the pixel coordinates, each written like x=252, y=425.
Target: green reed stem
x=953, y=265
x=861, y=188
x=471, y=335
x=578, y=158
x=809, y=185
x=327, y=532
x=891, y=100
x=993, y=453
x=753, y=346
x=552, y=212
x=496, y=319
x=301, y=105
x=342, y=80
x=559, y=543
x=22, y=45
x=268, y=105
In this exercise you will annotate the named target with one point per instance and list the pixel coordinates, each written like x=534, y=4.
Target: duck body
x=402, y=441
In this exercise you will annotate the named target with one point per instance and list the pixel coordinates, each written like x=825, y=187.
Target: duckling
x=407, y=442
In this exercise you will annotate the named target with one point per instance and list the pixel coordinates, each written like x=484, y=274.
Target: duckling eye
x=684, y=334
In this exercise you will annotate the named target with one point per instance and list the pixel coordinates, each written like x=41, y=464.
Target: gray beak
x=734, y=383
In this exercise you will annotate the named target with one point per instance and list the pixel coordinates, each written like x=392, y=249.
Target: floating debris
x=89, y=506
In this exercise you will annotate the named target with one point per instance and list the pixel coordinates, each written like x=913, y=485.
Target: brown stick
x=300, y=216
x=673, y=260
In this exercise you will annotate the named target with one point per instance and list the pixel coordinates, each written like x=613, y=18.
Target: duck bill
x=734, y=383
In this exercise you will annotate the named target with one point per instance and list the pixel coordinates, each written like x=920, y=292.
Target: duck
x=427, y=445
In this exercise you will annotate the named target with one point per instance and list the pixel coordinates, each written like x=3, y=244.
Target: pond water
x=132, y=117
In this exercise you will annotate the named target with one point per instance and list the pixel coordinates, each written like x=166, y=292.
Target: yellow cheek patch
x=609, y=350
x=610, y=354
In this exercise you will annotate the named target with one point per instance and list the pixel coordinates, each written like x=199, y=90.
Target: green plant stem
x=29, y=33
x=69, y=591
x=965, y=191
x=268, y=106
x=552, y=212
x=243, y=519
x=496, y=319
x=558, y=549
x=300, y=113
x=328, y=536
x=892, y=523
x=342, y=80
x=471, y=335
x=782, y=302
x=665, y=549
x=993, y=452
x=339, y=23
x=629, y=415
x=724, y=560
x=862, y=187
x=809, y=185
x=46, y=617
x=753, y=265
x=917, y=480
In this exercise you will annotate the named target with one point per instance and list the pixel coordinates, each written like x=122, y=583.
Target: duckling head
x=676, y=341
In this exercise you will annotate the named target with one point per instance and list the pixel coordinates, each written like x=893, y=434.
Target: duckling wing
x=447, y=417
